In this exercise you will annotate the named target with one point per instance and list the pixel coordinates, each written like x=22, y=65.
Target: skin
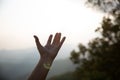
x=47, y=54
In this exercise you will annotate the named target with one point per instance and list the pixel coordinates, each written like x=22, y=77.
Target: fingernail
x=35, y=37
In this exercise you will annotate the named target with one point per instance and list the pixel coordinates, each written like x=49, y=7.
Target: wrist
x=46, y=62
x=44, y=59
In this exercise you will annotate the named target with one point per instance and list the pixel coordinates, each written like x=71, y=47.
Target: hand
x=50, y=50
x=48, y=54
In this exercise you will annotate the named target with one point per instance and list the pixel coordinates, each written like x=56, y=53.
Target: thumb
x=38, y=44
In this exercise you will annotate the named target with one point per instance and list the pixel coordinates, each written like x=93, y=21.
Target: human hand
x=50, y=50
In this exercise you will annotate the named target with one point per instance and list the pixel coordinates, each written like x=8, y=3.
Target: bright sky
x=21, y=19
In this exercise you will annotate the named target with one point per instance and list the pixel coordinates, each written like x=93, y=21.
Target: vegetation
x=104, y=5
x=99, y=60
x=66, y=76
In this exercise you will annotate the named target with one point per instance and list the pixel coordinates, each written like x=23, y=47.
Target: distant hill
x=65, y=76
x=31, y=53
x=60, y=67
x=18, y=64
x=16, y=71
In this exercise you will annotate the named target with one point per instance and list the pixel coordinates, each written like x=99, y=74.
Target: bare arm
x=48, y=54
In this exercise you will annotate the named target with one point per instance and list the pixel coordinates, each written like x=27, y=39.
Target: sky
x=21, y=19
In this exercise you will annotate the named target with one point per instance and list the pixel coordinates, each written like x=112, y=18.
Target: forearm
x=48, y=54
x=41, y=70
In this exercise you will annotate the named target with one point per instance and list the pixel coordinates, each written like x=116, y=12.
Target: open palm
x=51, y=48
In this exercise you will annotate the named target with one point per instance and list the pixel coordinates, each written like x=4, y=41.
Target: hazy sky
x=21, y=19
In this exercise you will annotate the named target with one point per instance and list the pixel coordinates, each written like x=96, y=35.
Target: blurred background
x=75, y=19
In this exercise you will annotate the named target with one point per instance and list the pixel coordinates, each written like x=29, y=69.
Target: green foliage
x=104, y=5
x=100, y=60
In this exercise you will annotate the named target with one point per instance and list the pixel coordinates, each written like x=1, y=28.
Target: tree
x=104, y=5
x=100, y=59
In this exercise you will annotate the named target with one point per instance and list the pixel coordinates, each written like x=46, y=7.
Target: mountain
x=20, y=71
x=18, y=64
x=61, y=66
x=31, y=53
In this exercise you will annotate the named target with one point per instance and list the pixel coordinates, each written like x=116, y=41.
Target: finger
x=49, y=40
x=62, y=41
x=57, y=39
x=39, y=46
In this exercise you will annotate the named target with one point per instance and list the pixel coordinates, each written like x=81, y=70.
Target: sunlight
x=21, y=19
